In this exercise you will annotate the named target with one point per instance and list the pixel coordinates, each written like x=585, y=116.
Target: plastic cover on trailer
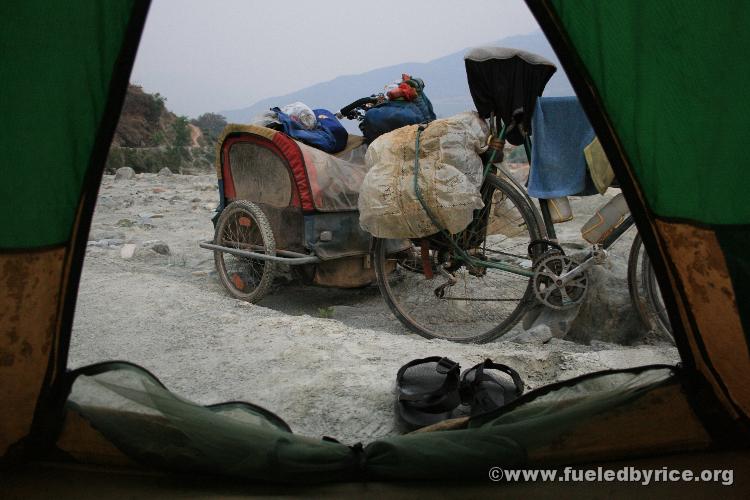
x=450, y=175
x=324, y=182
x=334, y=182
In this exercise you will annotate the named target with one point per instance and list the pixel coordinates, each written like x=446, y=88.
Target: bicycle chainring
x=547, y=285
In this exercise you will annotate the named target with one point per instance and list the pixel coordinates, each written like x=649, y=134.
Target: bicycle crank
x=559, y=282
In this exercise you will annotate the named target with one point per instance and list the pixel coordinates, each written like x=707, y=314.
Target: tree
x=181, y=132
x=155, y=107
x=211, y=124
x=179, y=150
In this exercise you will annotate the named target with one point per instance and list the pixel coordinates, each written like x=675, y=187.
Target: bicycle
x=476, y=285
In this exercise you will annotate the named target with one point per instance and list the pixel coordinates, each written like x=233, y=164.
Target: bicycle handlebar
x=359, y=103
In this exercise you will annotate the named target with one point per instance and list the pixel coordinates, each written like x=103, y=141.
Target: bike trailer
x=308, y=197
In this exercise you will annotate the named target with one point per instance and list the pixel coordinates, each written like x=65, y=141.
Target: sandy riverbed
x=335, y=376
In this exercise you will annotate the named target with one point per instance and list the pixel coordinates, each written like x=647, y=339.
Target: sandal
x=428, y=390
x=484, y=391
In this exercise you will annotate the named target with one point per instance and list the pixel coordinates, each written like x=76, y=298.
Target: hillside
x=144, y=121
x=149, y=137
x=445, y=78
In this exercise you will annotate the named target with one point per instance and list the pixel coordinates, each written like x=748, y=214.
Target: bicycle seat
x=507, y=82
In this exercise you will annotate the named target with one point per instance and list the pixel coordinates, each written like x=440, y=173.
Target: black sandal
x=428, y=390
x=484, y=391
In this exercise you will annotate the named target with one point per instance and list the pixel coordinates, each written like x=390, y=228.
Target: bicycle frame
x=461, y=254
x=548, y=225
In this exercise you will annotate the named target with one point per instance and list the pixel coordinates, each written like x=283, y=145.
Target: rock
x=165, y=172
x=161, y=248
x=105, y=201
x=125, y=223
x=607, y=313
x=561, y=343
x=558, y=321
x=98, y=235
x=106, y=243
x=145, y=223
x=124, y=174
x=196, y=200
x=531, y=316
x=340, y=312
x=539, y=334
x=127, y=251
x=598, y=345
x=157, y=246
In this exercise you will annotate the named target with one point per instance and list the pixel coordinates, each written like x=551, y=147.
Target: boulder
x=539, y=334
x=127, y=251
x=607, y=313
x=124, y=174
x=157, y=246
x=165, y=172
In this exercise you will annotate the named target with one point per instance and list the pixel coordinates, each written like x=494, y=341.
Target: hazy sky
x=210, y=55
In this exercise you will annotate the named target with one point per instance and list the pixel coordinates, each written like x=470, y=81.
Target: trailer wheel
x=244, y=226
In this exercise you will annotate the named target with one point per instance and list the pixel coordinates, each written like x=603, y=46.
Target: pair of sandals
x=433, y=389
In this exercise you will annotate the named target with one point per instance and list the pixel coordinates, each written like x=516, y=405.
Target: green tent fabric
x=665, y=83
x=668, y=86
x=677, y=94
x=56, y=72
x=154, y=427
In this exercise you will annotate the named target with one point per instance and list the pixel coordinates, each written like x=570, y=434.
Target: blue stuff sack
x=391, y=115
x=329, y=122
x=328, y=135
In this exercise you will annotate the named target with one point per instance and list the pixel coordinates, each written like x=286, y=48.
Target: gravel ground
x=334, y=377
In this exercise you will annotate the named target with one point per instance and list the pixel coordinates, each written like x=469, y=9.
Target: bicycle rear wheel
x=483, y=302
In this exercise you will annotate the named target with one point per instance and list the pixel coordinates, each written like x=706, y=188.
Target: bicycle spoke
x=483, y=301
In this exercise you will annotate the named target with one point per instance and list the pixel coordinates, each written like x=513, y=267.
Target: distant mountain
x=445, y=80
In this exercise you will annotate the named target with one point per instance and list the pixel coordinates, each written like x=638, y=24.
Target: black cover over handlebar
x=346, y=110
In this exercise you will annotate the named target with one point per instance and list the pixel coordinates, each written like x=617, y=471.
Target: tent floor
x=51, y=480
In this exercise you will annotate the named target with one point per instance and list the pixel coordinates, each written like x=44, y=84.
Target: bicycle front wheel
x=644, y=291
x=462, y=303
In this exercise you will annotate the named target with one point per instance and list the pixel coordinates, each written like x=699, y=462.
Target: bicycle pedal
x=599, y=254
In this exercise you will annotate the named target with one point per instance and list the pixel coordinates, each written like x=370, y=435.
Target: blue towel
x=560, y=133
